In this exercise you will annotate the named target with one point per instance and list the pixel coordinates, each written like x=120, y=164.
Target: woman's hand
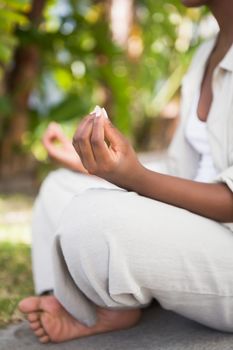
x=105, y=152
x=60, y=148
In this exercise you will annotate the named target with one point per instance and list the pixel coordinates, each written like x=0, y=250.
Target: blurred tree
x=60, y=58
x=18, y=82
x=10, y=16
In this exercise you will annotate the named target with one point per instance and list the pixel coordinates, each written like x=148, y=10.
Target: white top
x=197, y=136
x=183, y=160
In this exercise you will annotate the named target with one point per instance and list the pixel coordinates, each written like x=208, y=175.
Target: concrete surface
x=159, y=329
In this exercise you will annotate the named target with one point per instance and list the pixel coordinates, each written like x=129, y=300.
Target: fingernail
x=98, y=111
x=105, y=113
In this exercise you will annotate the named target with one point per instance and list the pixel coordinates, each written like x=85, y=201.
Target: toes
x=29, y=305
x=44, y=339
x=40, y=332
x=35, y=325
x=34, y=316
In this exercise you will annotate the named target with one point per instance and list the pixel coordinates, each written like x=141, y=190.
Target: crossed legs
x=121, y=250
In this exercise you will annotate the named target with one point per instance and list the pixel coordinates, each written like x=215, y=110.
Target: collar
x=227, y=61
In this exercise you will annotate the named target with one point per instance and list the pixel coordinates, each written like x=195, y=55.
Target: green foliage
x=81, y=66
x=12, y=13
x=169, y=39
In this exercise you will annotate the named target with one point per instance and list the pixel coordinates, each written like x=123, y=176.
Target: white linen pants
x=94, y=243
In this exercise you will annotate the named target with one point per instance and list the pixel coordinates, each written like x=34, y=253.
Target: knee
x=84, y=235
x=90, y=226
x=89, y=218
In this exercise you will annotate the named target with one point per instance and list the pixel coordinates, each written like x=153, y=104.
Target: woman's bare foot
x=51, y=322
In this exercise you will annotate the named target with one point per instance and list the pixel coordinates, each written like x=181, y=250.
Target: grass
x=16, y=277
x=15, y=260
x=15, y=218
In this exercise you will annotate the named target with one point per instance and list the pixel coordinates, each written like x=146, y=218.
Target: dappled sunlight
x=15, y=218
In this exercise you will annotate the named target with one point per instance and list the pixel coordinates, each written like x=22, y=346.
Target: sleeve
x=226, y=176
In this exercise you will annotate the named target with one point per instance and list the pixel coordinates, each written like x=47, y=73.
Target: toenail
x=40, y=332
x=35, y=325
x=44, y=339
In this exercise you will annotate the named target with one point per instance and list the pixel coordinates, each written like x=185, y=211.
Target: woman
x=132, y=234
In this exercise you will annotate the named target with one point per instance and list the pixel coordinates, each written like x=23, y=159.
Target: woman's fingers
x=99, y=146
x=76, y=136
x=49, y=144
x=114, y=136
x=81, y=142
x=54, y=133
x=87, y=154
x=89, y=143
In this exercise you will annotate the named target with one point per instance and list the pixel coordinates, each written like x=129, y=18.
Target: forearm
x=212, y=200
x=118, y=163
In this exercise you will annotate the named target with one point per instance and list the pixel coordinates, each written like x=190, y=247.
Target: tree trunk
x=19, y=82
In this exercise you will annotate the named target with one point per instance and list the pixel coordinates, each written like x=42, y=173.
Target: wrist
x=132, y=180
x=136, y=178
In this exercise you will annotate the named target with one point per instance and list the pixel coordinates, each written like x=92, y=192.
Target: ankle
x=117, y=319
